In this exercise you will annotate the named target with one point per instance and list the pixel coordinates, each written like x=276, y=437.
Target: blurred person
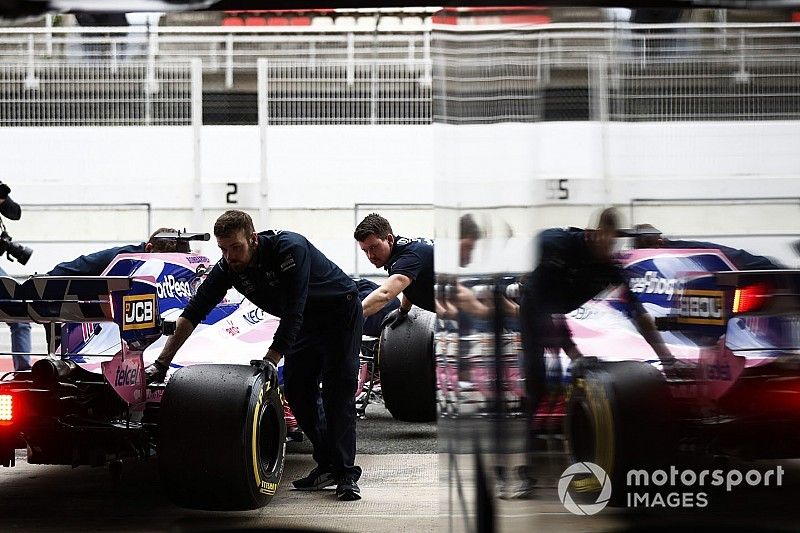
x=647, y=236
x=319, y=335
x=20, y=331
x=409, y=262
x=574, y=265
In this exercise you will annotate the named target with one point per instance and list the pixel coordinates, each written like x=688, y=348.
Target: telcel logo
x=138, y=312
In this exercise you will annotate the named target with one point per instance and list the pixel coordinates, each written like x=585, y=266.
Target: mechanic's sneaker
x=318, y=479
x=347, y=490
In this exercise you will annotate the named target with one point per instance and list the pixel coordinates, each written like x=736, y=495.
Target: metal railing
x=225, y=52
x=620, y=72
x=95, y=94
x=346, y=92
x=617, y=72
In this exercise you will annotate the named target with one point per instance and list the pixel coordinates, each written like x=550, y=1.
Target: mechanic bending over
x=20, y=331
x=319, y=334
x=647, y=236
x=409, y=263
x=574, y=265
x=95, y=263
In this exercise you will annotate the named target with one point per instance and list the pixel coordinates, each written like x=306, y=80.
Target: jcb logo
x=138, y=312
x=702, y=307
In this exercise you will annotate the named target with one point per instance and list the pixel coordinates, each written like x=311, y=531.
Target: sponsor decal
x=174, y=288
x=288, y=263
x=126, y=376
x=651, y=283
x=138, y=312
x=268, y=488
x=701, y=307
x=231, y=328
x=254, y=316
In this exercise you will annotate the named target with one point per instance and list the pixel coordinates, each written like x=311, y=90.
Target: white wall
x=317, y=174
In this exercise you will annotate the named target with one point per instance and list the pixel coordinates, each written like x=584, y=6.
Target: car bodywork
x=738, y=330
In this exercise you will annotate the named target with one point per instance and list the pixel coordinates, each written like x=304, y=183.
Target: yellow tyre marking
x=254, y=439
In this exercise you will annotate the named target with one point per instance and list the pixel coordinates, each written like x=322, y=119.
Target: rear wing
x=708, y=300
x=131, y=303
x=47, y=299
x=762, y=292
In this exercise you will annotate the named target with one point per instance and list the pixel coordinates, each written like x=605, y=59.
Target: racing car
x=736, y=331
x=216, y=427
x=739, y=332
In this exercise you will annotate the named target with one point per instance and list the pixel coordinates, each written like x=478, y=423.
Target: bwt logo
x=596, y=477
x=138, y=312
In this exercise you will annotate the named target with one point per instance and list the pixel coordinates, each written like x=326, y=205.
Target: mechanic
x=372, y=324
x=574, y=266
x=647, y=236
x=95, y=263
x=409, y=263
x=319, y=334
x=20, y=331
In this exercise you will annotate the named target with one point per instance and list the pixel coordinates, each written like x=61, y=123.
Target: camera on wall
x=10, y=209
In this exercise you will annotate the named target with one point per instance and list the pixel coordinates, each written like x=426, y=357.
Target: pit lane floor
x=399, y=486
x=744, y=508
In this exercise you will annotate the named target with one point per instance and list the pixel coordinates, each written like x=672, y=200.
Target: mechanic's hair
x=232, y=221
x=373, y=224
x=609, y=219
x=468, y=228
x=167, y=246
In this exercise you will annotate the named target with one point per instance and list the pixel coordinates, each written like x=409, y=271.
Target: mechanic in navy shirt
x=95, y=263
x=647, y=236
x=574, y=266
x=409, y=263
x=319, y=334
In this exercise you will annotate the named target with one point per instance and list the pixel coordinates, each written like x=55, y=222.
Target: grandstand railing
x=631, y=72
x=104, y=93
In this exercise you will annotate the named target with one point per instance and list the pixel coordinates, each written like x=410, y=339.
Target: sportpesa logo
x=597, y=477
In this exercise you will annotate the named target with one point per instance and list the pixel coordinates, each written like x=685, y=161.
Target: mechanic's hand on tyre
x=395, y=318
x=268, y=370
x=677, y=369
x=155, y=373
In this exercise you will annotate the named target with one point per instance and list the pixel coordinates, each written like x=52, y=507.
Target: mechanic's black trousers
x=326, y=351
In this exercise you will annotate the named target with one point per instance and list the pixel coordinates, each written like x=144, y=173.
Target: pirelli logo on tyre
x=138, y=312
x=702, y=307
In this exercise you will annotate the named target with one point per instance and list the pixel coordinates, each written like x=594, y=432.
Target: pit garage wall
x=318, y=174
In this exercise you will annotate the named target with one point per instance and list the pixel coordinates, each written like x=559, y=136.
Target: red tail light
x=751, y=297
x=6, y=409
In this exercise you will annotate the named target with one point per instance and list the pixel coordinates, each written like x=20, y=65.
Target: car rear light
x=6, y=409
x=751, y=297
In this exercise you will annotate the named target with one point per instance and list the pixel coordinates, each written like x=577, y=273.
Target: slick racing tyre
x=222, y=438
x=618, y=417
x=408, y=369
